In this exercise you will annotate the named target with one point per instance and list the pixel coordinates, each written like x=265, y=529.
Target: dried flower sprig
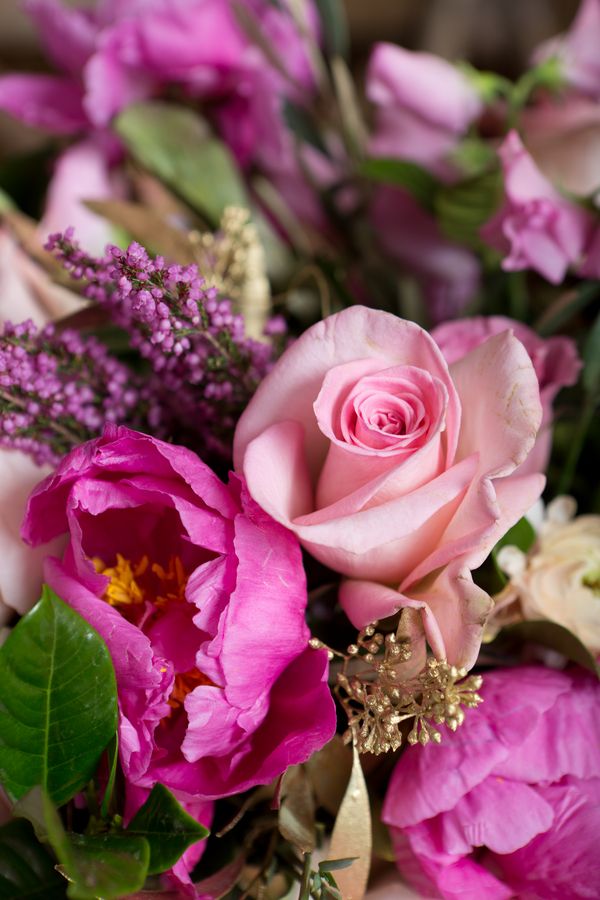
x=188, y=334
x=57, y=389
x=377, y=701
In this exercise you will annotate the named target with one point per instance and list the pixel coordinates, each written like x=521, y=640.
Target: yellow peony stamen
x=123, y=588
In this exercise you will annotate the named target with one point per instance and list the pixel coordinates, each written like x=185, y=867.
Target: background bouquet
x=290, y=354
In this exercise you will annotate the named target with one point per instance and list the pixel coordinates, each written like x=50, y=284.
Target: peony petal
x=68, y=35
x=46, y=101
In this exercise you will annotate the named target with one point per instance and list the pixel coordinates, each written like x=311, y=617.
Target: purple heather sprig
x=57, y=389
x=188, y=334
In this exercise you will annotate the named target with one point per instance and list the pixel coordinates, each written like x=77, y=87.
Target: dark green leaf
x=462, y=209
x=105, y=866
x=402, y=173
x=167, y=827
x=58, y=699
x=26, y=868
x=330, y=865
x=113, y=759
x=175, y=144
x=553, y=636
x=591, y=360
x=335, y=27
x=521, y=535
x=299, y=121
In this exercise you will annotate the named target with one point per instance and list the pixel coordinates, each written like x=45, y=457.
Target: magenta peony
x=200, y=597
x=394, y=469
x=509, y=805
x=536, y=227
x=554, y=359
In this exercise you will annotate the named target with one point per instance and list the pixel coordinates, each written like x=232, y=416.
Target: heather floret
x=58, y=389
x=189, y=335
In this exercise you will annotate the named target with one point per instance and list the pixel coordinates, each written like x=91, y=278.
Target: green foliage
x=521, y=535
x=58, y=699
x=109, y=866
x=175, y=144
x=335, y=27
x=168, y=829
x=405, y=174
x=26, y=868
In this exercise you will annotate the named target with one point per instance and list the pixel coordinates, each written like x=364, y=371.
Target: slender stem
x=570, y=466
x=305, y=883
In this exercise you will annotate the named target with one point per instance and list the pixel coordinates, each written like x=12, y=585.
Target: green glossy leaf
x=402, y=173
x=58, y=702
x=106, y=866
x=167, y=827
x=26, y=868
x=113, y=759
x=335, y=27
x=6, y=201
x=330, y=865
x=175, y=144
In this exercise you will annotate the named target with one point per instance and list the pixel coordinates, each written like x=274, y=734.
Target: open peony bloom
x=577, y=49
x=393, y=468
x=509, y=805
x=536, y=227
x=414, y=119
x=555, y=360
x=200, y=598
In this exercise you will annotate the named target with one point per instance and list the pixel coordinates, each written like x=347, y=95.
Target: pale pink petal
x=21, y=571
x=500, y=399
x=274, y=467
x=81, y=173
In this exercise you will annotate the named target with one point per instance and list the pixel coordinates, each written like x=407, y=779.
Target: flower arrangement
x=298, y=391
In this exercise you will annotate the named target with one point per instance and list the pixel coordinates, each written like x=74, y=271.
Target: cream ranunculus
x=559, y=580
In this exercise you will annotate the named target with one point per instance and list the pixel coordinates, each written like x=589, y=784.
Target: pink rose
x=577, y=49
x=394, y=469
x=414, y=119
x=509, y=805
x=448, y=273
x=536, y=228
x=200, y=598
x=555, y=360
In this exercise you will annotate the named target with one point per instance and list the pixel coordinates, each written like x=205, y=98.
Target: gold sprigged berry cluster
x=232, y=260
x=378, y=700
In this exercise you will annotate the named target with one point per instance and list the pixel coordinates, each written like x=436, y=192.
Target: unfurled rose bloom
x=447, y=272
x=200, y=598
x=394, y=469
x=536, y=227
x=414, y=118
x=577, y=49
x=509, y=805
x=555, y=360
x=559, y=580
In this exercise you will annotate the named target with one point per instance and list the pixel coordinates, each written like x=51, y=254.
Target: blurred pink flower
x=448, y=273
x=509, y=805
x=562, y=134
x=423, y=105
x=536, y=227
x=577, y=49
x=200, y=597
x=555, y=360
